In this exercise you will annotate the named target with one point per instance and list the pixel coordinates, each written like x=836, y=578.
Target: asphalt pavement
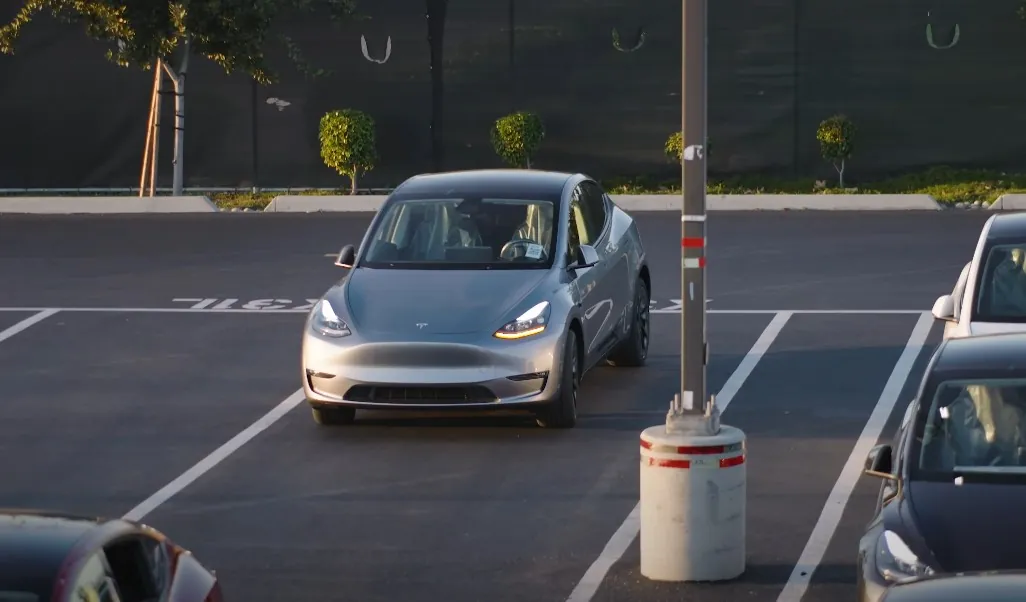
x=110, y=399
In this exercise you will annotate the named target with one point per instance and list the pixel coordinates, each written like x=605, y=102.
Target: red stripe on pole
x=701, y=262
x=698, y=451
x=731, y=462
x=692, y=243
x=661, y=463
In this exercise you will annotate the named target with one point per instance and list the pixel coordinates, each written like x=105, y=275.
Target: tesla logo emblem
x=421, y=325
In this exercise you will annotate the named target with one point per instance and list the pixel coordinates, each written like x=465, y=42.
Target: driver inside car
x=536, y=228
x=983, y=426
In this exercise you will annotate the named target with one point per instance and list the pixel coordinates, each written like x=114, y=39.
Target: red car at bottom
x=53, y=557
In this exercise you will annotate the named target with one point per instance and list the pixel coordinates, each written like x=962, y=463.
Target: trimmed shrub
x=516, y=138
x=348, y=143
x=836, y=136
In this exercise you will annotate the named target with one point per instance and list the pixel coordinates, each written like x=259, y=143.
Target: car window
x=594, y=206
x=463, y=233
x=578, y=217
x=975, y=426
x=1002, y=285
x=94, y=582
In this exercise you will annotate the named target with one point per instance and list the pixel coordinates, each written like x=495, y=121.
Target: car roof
x=998, y=352
x=34, y=545
x=1007, y=226
x=529, y=183
x=992, y=587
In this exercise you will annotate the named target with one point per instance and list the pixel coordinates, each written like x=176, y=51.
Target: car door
x=599, y=306
x=616, y=279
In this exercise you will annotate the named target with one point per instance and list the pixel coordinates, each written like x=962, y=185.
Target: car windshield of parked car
x=470, y=233
x=976, y=426
x=1002, y=291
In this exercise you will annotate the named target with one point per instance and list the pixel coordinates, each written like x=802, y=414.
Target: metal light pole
x=693, y=408
x=693, y=468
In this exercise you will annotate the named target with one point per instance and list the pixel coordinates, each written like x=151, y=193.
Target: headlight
x=529, y=323
x=895, y=561
x=327, y=322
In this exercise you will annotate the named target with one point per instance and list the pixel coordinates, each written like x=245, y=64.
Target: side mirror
x=586, y=257
x=879, y=462
x=346, y=257
x=944, y=308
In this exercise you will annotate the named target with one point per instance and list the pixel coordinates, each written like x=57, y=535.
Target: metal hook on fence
x=929, y=36
x=637, y=45
x=366, y=53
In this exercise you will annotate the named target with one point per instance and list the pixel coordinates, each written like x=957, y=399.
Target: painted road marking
x=216, y=457
x=624, y=536
x=816, y=547
x=253, y=304
x=41, y=314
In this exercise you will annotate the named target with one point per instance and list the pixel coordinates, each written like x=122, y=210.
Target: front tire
x=333, y=415
x=633, y=351
x=561, y=413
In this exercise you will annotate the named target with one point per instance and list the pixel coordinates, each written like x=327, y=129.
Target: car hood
x=971, y=527
x=396, y=302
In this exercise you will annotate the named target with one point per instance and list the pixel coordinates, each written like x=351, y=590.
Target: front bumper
x=435, y=373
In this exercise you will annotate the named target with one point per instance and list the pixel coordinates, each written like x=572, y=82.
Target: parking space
x=102, y=409
x=105, y=408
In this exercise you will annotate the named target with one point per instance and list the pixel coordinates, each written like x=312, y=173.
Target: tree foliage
x=517, y=136
x=836, y=136
x=235, y=34
x=348, y=143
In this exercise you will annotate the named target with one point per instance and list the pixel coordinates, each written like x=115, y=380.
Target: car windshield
x=463, y=233
x=976, y=426
x=1002, y=290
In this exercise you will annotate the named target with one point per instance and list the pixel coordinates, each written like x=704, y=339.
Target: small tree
x=836, y=137
x=516, y=138
x=348, y=143
x=674, y=147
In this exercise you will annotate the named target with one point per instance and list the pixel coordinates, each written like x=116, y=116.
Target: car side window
x=579, y=232
x=94, y=582
x=594, y=205
x=573, y=238
x=140, y=567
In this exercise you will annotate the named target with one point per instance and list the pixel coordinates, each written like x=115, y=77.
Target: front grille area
x=425, y=394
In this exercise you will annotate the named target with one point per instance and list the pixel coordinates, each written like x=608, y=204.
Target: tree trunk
x=352, y=182
x=178, y=80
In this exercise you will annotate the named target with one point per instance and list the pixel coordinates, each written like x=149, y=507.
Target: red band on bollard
x=686, y=464
x=692, y=243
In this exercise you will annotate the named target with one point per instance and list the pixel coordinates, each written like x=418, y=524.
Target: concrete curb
x=371, y=203
x=106, y=204
x=1009, y=202
x=659, y=202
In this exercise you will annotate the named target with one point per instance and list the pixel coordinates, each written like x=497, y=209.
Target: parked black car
x=954, y=480
x=972, y=587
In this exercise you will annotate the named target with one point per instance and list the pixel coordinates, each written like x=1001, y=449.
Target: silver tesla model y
x=492, y=289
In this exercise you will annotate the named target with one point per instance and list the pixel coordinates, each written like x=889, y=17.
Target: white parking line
x=591, y=581
x=825, y=527
x=216, y=457
x=41, y=315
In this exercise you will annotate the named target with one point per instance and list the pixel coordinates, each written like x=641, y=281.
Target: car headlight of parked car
x=529, y=323
x=895, y=561
x=326, y=321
